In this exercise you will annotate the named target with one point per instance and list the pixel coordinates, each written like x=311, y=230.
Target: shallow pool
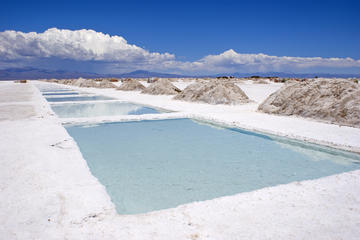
x=60, y=93
x=80, y=110
x=51, y=90
x=77, y=98
x=152, y=165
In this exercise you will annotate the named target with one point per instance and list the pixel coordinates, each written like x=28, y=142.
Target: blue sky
x=192, y=30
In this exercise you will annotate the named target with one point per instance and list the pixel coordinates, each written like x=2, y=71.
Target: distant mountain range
x=147, y=74
x=296, y=75
x=35, y=73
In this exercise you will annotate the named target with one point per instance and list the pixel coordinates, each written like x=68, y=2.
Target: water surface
x=60, y=93
x=78, y=98
x=152, y=165
x=81, y=110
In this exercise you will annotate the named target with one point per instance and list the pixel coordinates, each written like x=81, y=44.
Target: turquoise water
x=152, y=165
x=80, y=110
x=60, y=93
x=79, y=98
x=51, y=90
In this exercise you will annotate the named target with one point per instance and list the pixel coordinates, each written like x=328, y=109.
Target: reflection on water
x=60, y=93
x=79, y=98
x=82, y=110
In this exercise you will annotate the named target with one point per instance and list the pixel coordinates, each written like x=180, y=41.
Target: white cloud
x=82, y=45
x=230, y=60
x=113, y=53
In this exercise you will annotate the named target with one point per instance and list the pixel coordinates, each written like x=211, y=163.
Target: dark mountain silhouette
x=35, y=73
x=146, y=74
x=295, y=75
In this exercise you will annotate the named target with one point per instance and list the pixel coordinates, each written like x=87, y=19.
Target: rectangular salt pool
x=60, y=93
x=51, y=90
x=77, y=98
x=152, y=165
x=80, y=110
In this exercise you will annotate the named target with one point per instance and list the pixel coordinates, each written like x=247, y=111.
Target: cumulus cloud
x=232, y=61
x=81, y=45
x=114, y=53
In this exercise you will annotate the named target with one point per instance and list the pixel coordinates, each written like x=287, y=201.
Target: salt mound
x=213, y=92
x=53, y=80
x=161, y=87
x=66, y=81
x=106, y=84
x=334, y=100
x=81, y=82
x=260, y=81
x=131, y=85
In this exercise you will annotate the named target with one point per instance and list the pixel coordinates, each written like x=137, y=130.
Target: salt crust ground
x=48, y=192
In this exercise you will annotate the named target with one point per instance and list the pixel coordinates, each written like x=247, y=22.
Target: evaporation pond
x=152, y=165
x=60, y=93
x=77, y=98
x=50, y=90
x=79, y=110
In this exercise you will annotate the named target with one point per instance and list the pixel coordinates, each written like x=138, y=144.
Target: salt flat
x=14, y=101
x=48, y=192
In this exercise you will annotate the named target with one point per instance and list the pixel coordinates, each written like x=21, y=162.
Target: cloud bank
x=113, y=53
x=233, y=61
